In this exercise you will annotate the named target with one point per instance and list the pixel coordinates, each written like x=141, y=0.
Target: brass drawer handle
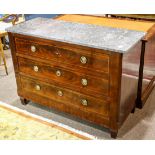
x=60, y=93
x=83, y=60
x=33, y=48
x=84, y=102
x=84, y=82
x=36, y=68
x=58, y=73
x=37, y=87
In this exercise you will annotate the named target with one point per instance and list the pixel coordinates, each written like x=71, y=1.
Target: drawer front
x=75, y=80
x=65, y=96
x=75, y=57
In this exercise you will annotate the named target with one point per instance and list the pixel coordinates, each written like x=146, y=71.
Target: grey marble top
x=106, y=38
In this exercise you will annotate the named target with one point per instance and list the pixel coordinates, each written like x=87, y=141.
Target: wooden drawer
x=65, y=96
x=74, y=80
x=75, y=58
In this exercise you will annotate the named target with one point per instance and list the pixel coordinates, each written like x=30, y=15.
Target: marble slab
x=106, y=38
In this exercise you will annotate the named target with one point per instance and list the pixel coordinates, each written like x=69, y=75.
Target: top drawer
x=74, y=58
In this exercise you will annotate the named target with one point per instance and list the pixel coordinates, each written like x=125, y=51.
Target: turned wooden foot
x=139, y=103
x=133, y=110
x=24, y=101
x=113, y=134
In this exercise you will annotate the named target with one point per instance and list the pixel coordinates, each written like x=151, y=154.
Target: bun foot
x=113, y=134
x=24, y=101
x=139, y=103
x=133, y=110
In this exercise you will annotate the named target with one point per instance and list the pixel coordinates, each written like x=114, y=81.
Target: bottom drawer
x=65, y=96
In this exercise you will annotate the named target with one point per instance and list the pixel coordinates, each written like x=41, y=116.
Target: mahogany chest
x=60, y=65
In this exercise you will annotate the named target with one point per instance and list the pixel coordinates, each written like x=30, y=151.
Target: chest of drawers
x=80, y=80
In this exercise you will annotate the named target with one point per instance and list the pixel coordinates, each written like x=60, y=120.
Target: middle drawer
x=74, y=80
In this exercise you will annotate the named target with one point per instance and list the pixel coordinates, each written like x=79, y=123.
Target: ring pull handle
x=36, y=68
x=58, y=73
x=37, y=87
x=84, y=82
x=33, y=48
x=84, y=102
x=83, y=60
x=60, y=93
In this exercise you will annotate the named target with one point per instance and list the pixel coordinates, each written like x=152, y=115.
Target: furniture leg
x=139, y=103
x=3, y=57
x=0, y=52
x=4, y=60
x=133, y=110
x=113, y=134
x=148, y=90
x=0, y=58
x=3, y=41
x=24, y=101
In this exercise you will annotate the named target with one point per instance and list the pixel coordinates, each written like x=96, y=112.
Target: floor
x=140, y=125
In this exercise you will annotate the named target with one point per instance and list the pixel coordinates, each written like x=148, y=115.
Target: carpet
x=17, y=124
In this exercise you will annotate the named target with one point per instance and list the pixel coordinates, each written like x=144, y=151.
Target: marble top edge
x=106, y=38
x=9, y=29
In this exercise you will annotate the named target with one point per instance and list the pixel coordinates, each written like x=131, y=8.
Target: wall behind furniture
x=31, y=16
